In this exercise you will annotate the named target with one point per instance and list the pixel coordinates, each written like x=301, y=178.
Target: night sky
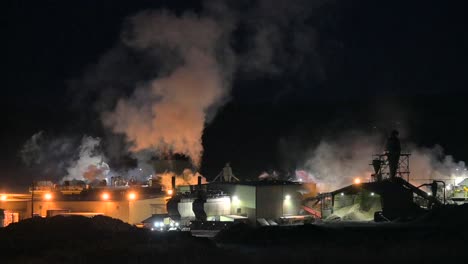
x=372, y=66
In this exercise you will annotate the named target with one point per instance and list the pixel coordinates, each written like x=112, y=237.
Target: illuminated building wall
x=132, y=212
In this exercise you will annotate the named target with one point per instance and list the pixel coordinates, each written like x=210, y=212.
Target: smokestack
x=173, y=183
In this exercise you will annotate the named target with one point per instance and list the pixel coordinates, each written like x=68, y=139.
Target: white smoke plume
x=168, y=114
x=89, y=165
x=429, y=164
x=268, y=176
x=336, y=162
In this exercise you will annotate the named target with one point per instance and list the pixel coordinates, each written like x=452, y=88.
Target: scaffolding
x=382, y=169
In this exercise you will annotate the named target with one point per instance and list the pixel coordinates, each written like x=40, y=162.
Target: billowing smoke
x=48, y=158
x=429, y=164
x=31, y=152
x=167, y=76
x=64, y=158
x=90, y=164
x=336, y=162
x=188, y=177
x=168, y=113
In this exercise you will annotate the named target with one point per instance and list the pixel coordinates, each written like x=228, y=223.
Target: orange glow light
x=3, y=197
x=105, y=196
x=132, y=196
x=170, y=192
x=357, y=181
x=48, y=196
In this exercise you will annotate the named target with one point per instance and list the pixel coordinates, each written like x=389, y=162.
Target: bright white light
x=48, y=196
x=172, y=224
x=156, y=224
x=342, y=194
x=430, y=194
x=235, y=200
x=372, y=194
x=170, y=192
x=357, y=181
x=3, y=197
x=287, y=197
x=132, y=196
x=458, y=180
x=105, y=196
x=448, y=187
x=176, y=224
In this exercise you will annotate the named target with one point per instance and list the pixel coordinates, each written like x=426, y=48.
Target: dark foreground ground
x=441, y=235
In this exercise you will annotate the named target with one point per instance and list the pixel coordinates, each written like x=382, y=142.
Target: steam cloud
x=335, y=162
x=188, y=177
x=90, y=164
x=48, y=158
x=52, y=159
x=169, y=74
x=168, y=114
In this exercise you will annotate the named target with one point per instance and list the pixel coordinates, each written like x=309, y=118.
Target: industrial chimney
x=173, y=183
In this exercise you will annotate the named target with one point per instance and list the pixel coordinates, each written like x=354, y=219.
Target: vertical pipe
x=32, y=200
x=173, y=183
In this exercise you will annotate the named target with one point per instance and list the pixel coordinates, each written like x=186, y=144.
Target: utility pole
x=32, y=200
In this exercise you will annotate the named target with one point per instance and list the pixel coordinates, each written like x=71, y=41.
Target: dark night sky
x=378, y=64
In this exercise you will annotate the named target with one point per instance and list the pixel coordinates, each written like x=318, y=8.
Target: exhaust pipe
x=173, y=183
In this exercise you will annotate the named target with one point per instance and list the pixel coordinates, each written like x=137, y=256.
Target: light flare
x=105, y=196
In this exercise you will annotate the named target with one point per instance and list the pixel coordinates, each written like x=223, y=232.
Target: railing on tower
x=382, y=170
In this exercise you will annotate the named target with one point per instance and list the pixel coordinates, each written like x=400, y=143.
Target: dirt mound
x=69, y=224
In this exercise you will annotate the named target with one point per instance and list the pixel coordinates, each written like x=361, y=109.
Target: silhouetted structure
x=393, y=151
x=226, y=175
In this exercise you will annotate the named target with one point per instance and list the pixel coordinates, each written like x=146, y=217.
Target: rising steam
x=168, y=114
x=52, y=159
x=336, y=162
x=188, y=177
x=89, y=165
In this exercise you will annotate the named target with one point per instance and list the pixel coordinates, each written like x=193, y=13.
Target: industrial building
x=259, y=202
x=226, y=200
x=130, y=205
